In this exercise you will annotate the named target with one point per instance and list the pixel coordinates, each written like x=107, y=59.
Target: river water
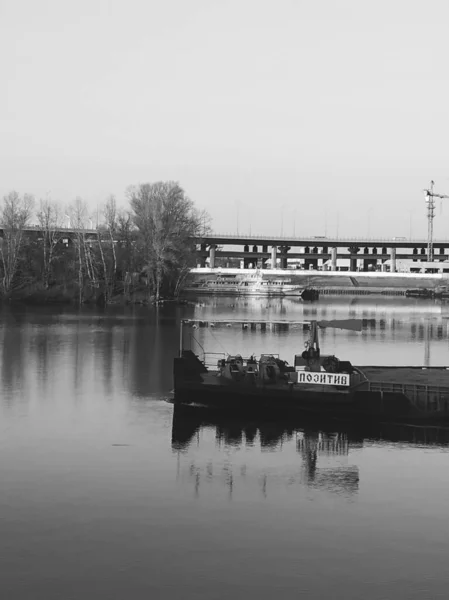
x=108, y=493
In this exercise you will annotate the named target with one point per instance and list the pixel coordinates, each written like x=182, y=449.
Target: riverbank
x=69, y=294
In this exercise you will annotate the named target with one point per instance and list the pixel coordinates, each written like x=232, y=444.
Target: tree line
x=147, y=246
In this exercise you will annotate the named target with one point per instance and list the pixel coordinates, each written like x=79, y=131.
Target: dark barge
x=315, y=384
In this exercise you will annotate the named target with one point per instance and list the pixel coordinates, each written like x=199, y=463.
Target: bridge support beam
x=212, y=256
x=353, y=263
x=393, y=260
x=284, y=260
x=273, y=257
x=333, y=259
x=369, y=264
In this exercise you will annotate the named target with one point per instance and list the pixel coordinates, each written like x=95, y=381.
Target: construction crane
x=430, y=200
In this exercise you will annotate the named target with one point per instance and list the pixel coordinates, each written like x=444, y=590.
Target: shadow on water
x=330, y=436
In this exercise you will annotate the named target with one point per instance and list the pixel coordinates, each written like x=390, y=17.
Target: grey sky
x=258, y=108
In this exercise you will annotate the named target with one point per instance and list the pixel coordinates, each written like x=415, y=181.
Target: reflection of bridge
x=312, y=250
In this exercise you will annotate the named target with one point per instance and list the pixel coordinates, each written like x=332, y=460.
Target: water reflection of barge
x=328, y=436
x=312, y=443
x=324, y=448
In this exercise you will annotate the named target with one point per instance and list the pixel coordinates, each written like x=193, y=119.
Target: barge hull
x=356, y=405
x=384, y=400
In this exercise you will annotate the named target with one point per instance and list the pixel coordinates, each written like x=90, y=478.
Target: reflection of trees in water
x=42, y=347
x=107, y=358
x=149, y=346
x=131, y=349
x=13, y=348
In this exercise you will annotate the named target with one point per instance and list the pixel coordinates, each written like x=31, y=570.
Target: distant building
x=412, y=266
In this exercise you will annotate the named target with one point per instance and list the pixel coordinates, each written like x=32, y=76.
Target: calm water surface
x=108, y=493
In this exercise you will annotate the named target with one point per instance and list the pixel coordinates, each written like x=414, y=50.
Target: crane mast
x=430, y=201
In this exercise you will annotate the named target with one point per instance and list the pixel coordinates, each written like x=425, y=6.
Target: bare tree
x=168, y=223
x=50, y=220
x=110, y=215
x=15, y=215
x=126, y=259
x=78, y=215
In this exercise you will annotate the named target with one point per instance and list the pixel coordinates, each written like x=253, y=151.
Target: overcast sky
x=274, y=115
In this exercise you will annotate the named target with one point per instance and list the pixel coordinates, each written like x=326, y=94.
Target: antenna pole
x=430, y=199
x=180, y=338
x=430, y=216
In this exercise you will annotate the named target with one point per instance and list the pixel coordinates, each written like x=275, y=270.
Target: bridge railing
x=318, y=239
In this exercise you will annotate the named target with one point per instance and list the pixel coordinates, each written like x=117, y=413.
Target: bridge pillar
x=273, y=257
x=310, y=264
x=212, y=257
x=284, y=259
x=353, y=263
x=369, y=264
x=333, y=259
x=201, y=260
x=354, y=249
x=393, y=260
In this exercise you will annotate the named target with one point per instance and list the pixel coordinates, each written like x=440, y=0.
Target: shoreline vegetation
x=141, y=254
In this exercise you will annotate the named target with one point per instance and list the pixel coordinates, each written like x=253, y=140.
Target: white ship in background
x=252, y=283
x=298, y=282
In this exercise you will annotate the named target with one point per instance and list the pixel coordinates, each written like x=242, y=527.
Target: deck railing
x=424, y=397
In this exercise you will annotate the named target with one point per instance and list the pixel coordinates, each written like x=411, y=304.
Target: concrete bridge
x=311, y=250
x=36, y=230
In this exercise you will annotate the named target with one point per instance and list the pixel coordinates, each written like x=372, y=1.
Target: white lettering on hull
x=323, y=378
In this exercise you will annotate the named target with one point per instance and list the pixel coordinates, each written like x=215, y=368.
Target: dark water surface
x=108, y=493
